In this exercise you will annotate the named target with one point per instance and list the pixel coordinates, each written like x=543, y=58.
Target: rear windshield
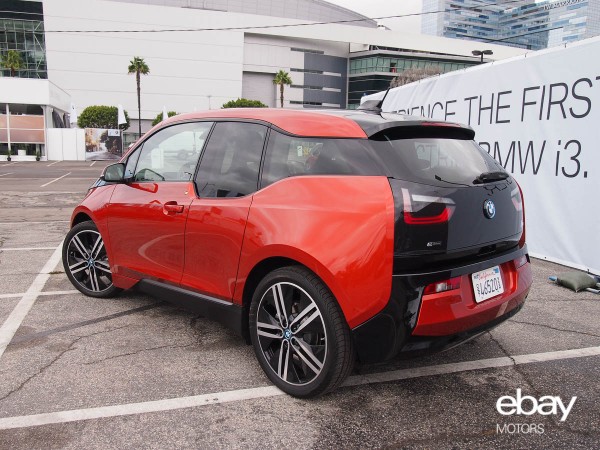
x=433, y=160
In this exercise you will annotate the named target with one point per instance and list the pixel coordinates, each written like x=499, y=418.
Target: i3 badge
x=489, y=209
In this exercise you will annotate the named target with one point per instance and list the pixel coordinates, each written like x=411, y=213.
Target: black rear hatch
x=453, y=202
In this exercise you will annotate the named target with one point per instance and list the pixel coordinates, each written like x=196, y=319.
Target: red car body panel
x=455, y=311
x=344, y=232
x=147, y=240
x=213, y=240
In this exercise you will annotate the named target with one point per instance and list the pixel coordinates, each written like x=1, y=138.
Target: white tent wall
x=539, y=116
x=65, y=144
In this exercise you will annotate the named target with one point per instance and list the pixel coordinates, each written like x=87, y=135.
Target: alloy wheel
x=291, y=333
x=87, y=261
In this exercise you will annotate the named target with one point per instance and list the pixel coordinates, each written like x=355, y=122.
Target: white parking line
x=11, y=163
x=24, y=249
x=92, y=163
x=4, y=174
x=51, y=164
x=56, y=179
x=14, y=320
x=271, y=391
x=29, y=223
x=45, y=293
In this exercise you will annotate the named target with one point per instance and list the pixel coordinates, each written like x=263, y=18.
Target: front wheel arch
x=80, y=218
x=85, y=260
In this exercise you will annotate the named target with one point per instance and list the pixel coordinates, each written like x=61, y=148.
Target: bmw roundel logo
x=489, y=209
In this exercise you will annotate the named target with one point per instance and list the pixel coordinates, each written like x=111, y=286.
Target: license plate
x=487, y=284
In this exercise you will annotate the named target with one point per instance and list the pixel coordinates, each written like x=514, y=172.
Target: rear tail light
x=426, y=210
x=520, y=261
x=517, y=198
x=518, y=201
x=442, y=286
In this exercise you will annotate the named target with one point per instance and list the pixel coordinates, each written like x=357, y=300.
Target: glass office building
x=373, y=70
x=22, y=30
x=526, y=24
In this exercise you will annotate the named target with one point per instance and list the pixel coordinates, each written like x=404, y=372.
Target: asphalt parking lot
x=134, y=372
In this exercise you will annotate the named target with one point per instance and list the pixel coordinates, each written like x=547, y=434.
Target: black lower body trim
x=388, y=333
x=421, y=345
x=226, y=313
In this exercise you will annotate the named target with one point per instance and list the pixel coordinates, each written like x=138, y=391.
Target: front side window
x=231, y=161
x=171, y=154
x=289, y=156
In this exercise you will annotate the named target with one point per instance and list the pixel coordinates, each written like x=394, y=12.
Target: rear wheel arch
x=259, y=272
x=307, y=350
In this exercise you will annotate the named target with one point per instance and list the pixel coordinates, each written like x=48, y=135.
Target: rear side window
x=435, y=161
x=289, y=156
x=231, y=160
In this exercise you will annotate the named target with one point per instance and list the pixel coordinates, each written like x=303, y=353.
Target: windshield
x=434, y=160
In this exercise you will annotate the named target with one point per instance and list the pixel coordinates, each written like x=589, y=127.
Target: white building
x=233, y=49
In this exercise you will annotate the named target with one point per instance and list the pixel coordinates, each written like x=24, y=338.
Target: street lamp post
x=481, y=53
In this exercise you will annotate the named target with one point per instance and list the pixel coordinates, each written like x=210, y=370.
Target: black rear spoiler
x=406, y=129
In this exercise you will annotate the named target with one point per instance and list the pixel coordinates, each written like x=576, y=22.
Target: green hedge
x=244, y=103
x=101, y=116
x=159, y=118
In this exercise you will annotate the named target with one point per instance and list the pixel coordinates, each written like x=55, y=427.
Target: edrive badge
x=489, y=209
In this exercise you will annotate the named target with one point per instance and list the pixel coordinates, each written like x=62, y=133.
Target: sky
x=381, y=8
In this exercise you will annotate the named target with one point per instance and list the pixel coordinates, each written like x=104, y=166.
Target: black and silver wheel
x=86, y=263
x=299, y=333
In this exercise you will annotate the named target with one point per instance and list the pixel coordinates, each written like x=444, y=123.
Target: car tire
x=307, y=351
x=86, y=263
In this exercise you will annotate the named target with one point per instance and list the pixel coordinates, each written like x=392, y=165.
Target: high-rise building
x=22, y=30
x=528, y=24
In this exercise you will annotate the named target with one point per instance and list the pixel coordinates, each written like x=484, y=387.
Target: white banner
x=539, y=116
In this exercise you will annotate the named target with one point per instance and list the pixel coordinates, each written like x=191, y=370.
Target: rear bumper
x=413, y=323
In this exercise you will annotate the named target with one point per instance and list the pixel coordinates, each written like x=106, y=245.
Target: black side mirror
x=114, y=172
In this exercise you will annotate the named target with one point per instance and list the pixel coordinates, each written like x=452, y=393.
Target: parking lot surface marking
x=24, y=249
x=36, y=223
x=4, y=174
x=56, y=179
x=271, y=391
x=51, y=164
x=503, y=361
x=14, y=320
x=45, y=293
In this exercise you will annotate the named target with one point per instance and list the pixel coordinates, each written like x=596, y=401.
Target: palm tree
x=282, y=78
x=138, y=66
x=12, y=60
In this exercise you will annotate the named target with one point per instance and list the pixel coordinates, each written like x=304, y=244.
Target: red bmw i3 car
x=323, y=238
